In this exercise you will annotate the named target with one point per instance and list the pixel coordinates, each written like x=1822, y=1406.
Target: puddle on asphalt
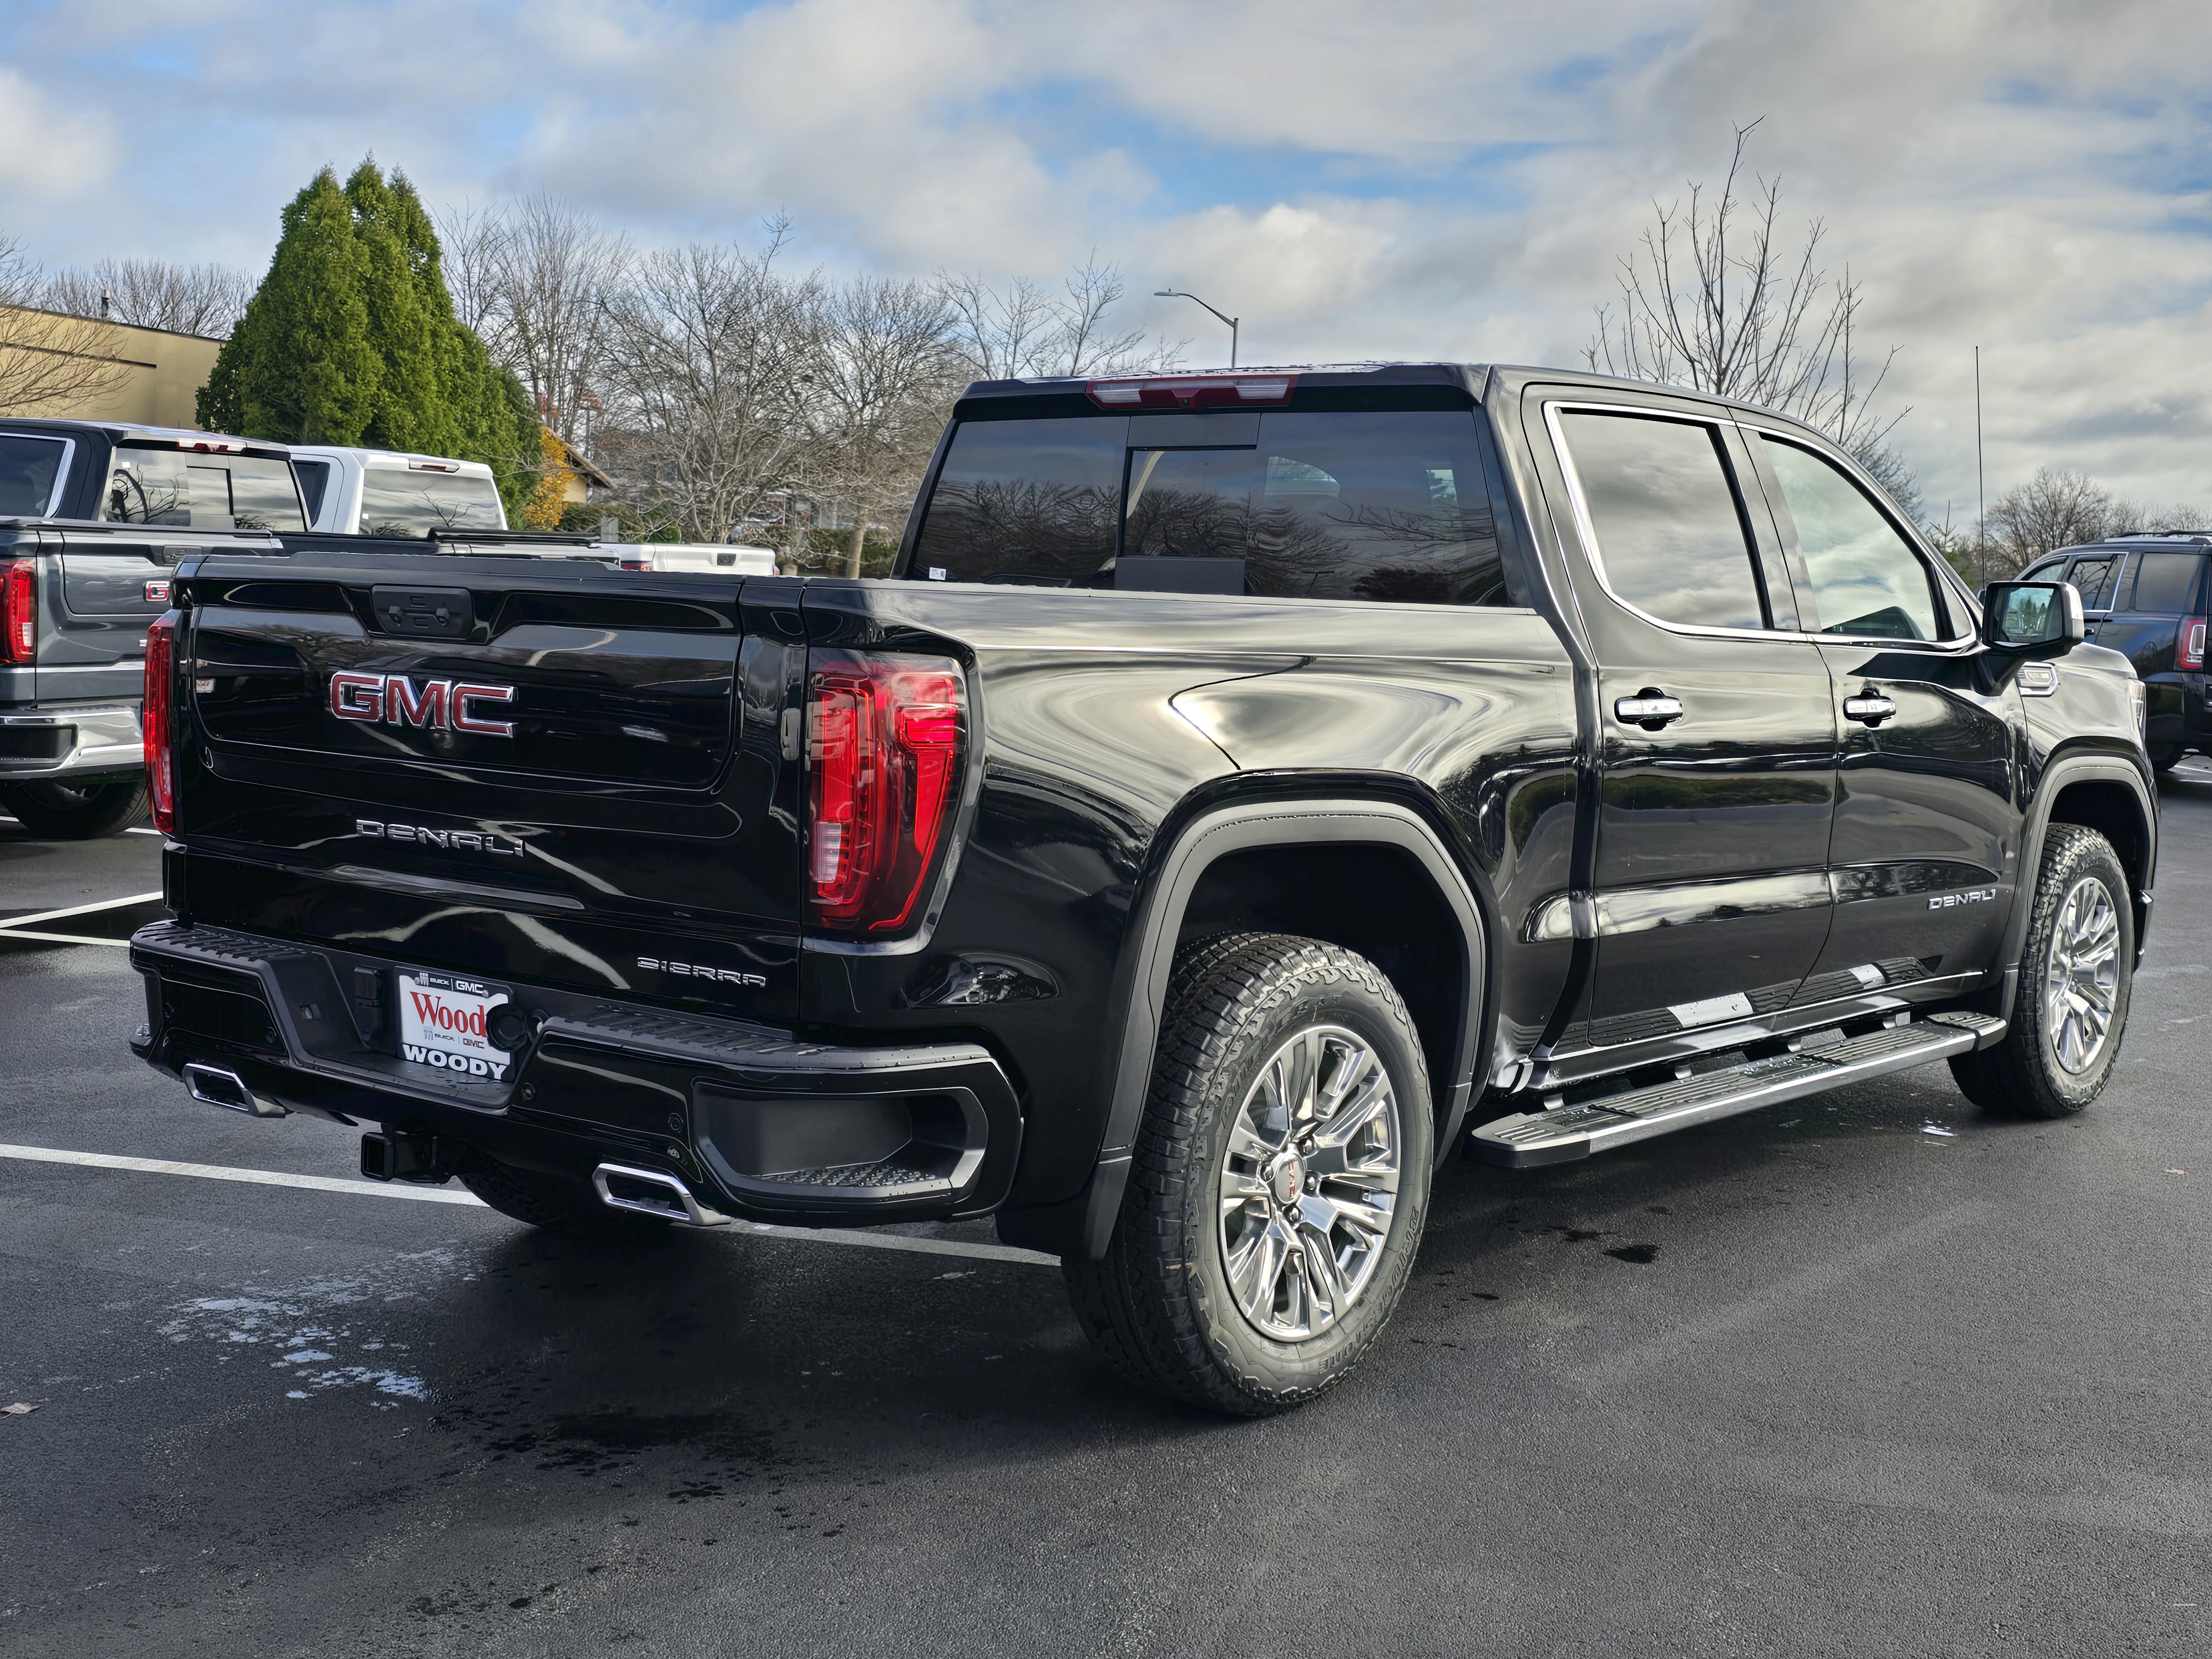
x=319, y=1335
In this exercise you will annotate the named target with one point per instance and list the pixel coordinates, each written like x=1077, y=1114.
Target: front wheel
x=76, y=811
x=2076, y=973
x=2166, y=756
x=1279, y=1185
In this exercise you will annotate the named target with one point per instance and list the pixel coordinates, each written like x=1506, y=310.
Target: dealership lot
x=1868, y=1374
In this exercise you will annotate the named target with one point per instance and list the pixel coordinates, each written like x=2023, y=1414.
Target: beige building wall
x=156, y=379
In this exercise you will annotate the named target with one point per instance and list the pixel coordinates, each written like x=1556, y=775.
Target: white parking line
x=79, y=910
x=865, y=1240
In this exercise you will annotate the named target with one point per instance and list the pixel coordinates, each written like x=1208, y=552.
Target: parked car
x=703, y=558
x=1247, y=789
x=381, y=492
x=2145, y=597
x=94, y=517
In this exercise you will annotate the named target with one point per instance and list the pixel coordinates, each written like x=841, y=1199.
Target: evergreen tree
x=299, y=365
x=352, y=339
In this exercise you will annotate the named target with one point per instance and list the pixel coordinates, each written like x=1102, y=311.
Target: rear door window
x=1670, y=539
x=29, y=470
x=2164, y=584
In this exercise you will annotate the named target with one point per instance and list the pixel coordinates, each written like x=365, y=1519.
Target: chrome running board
x=1526, y=1139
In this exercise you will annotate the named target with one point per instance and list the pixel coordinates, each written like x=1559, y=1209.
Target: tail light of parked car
x=2189, y=645
x=885, y=735
x=18, y=611
x=158, y=721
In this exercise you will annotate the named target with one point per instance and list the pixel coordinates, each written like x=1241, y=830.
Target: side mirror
x=2028, y=620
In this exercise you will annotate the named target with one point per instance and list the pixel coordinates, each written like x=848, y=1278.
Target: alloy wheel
x=1309, y=1183
x=2081, y=976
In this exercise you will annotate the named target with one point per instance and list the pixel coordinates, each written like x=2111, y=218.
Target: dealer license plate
x=441, y=1024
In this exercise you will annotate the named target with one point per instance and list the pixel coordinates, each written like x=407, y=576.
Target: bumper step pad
x=1526, y=1139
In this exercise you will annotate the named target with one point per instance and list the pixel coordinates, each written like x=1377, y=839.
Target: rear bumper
x=50, y=743
x=754, y=1121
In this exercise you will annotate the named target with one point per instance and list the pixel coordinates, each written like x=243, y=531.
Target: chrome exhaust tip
x=217, y=1087
x=651, y=1192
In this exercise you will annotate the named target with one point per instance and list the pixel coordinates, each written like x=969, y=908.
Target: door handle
x=1869, y=705
x=1650, y=709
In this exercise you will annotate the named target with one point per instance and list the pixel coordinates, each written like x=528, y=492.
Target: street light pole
x=1177, y=293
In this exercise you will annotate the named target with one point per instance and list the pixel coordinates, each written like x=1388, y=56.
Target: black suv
x=1248, y=788
x=2144, y=597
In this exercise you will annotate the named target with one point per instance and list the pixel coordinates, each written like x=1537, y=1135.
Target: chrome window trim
x=1956, y=644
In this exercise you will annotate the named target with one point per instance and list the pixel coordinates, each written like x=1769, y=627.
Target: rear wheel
x=2075, y=977
x=560, y=1204
x=2165, y=756
x=1280, y=1182
x=76, y=811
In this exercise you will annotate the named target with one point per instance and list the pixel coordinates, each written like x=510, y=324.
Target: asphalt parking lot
x=1871, y=1374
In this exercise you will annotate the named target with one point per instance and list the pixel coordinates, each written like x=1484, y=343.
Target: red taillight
x=2189, y=644
x=883, y=737
x=1194, y=392
x=157, y=720
x=19, y=612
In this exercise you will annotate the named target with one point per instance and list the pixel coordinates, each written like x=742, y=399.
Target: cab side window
x=1868, y=583
x=2164, y=584
x=1670, y=537
x=2093, y=575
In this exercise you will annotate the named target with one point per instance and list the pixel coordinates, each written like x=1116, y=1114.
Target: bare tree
x=203, y=299
x=886, y=371
x=1020, y=330
x=1717, y=302
x=49, y=362
x=473, y=241
x=706, y=353
x=2053, y=509
x=543, y=272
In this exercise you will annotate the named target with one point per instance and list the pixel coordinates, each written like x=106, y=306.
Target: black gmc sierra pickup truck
x=1248, y=788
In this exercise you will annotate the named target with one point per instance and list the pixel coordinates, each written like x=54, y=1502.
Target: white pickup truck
x=382, y=492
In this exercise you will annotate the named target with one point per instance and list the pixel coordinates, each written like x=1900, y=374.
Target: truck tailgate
x=518, y=768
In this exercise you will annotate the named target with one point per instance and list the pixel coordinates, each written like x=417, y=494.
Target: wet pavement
x=1867, y=1374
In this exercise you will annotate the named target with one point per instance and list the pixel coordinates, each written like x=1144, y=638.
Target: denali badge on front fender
x=1976, y=896
x=434, y=705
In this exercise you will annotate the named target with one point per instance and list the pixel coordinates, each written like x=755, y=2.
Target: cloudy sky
x=1380, y=179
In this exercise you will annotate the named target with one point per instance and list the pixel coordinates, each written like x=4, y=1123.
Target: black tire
x=568, y=1204
x=2166, y=756
x=76, y=811
x=1160, y=1305
x=2032, y=1074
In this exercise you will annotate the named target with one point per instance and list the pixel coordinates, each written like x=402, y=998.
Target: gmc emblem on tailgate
x=437, y=705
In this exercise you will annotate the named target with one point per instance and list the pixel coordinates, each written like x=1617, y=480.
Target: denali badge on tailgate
x=439, y=705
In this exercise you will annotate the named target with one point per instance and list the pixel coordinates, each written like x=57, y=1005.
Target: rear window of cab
x=1367, y=505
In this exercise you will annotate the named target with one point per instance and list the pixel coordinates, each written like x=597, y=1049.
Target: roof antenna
x=1981, y=494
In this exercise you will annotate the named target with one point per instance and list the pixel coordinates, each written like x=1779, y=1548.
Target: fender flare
x=1148, y=957
x=2063, y=770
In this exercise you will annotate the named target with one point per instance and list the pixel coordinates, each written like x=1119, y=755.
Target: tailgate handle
x=429, y=613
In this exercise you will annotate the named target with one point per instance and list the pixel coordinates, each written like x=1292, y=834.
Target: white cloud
x=1439, y=177
x=51, y=154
